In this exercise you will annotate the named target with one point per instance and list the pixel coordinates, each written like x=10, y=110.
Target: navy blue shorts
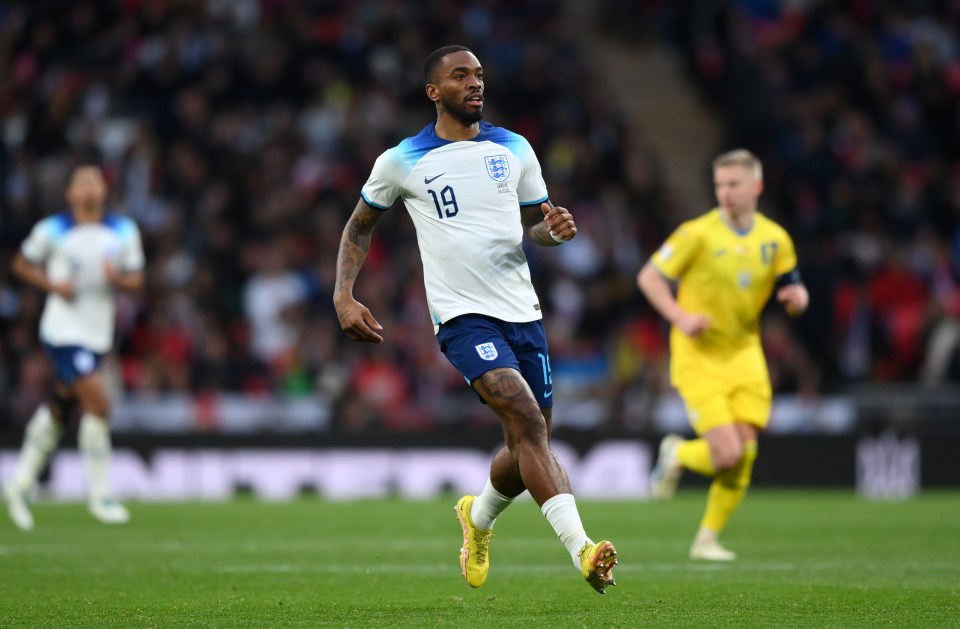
x=475, y=344
x=72, y=361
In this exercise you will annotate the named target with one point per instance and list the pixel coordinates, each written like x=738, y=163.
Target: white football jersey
x=76, y=252
x=464, y=199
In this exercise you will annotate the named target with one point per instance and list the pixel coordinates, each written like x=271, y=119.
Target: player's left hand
x=114, y=276
x=129, y=282
x=794, y=298
x=559, y=221
x=110, y=272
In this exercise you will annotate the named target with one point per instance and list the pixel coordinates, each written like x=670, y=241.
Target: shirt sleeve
x=676, y=254
x=131, y=252
x=36, y=248
x=384, y=184
x=786, y=258
x=531, y=189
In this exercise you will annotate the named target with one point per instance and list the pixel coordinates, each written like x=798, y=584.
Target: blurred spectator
x=854, y=108
x=237, y=134
x=273, y=297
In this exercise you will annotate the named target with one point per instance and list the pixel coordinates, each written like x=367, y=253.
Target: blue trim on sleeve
x=789, y=278
x=538, y=202
x=666, y=275
x=372, y=204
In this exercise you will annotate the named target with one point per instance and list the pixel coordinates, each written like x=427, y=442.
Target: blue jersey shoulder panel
x=498, y=135
x=123, y=226
x=412, y=149
x=57, y=225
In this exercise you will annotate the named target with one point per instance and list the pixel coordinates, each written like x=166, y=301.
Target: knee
x=100, y=408
x=740, y=475
x=61, y=406
x=727, y=458
x=526, y=426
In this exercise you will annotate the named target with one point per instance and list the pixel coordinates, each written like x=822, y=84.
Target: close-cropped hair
x=740, y=157
x=434, y=58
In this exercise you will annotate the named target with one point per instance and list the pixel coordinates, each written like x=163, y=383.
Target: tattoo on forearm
x=532, y=219
x=542, y=234
x=354, y=245
x=360, y=227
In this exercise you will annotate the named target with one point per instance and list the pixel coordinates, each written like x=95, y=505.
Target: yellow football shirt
x=728, y=276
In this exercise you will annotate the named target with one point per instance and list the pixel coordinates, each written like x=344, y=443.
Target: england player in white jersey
x=473, y=190
x=80, y=258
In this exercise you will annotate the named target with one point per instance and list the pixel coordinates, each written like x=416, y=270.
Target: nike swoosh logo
x=430, y=179
x=548, y=393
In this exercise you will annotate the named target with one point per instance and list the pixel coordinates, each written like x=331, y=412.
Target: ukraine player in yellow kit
x=726, y=264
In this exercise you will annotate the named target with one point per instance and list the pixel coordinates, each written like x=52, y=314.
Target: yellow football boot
x=474, y=556
x=596, y=564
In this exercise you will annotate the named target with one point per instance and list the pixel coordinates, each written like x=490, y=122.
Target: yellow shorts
x=711, y=403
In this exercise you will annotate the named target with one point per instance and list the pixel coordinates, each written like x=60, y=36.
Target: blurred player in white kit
x=80, y=258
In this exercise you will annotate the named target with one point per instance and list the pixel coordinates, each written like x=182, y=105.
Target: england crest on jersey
x=487, y=351
x=497, y=167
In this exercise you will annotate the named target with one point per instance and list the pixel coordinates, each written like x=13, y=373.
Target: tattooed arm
x=355, y=318
x=546, y=219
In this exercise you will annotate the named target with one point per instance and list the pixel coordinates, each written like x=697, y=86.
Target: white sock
x=705, y=536
x=488, y=506
x=39, y=440
x=561, y=512
x=94, y=441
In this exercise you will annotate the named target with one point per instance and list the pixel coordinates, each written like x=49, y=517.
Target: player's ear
x=432, y=92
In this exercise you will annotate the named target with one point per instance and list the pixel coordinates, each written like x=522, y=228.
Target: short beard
x=91, y=206
x=463, y=117
x=467, y=119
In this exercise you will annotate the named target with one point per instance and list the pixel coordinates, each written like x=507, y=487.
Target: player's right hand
x=559, y=221
x=357, y=322
x=692, y=324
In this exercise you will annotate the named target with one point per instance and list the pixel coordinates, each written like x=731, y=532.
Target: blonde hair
x=740, y=157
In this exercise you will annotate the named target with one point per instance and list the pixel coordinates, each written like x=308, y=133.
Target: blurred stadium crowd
x=238, y=134
x=855, y=109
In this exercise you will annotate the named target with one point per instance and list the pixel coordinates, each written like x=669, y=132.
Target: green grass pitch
x=807, y=559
